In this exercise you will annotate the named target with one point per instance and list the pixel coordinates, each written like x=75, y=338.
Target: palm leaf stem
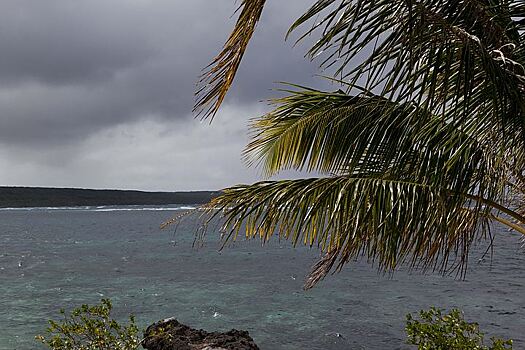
x=505, y=222
x=497, y=206
x=220, y=73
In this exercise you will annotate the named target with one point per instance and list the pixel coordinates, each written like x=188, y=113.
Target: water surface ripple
x=51, y=259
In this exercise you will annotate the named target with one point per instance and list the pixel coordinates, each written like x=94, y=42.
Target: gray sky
x=98, y=93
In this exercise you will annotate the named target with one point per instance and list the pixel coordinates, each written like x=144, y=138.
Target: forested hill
x=15, y=197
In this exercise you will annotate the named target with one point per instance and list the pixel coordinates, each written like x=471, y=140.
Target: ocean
x=62, y=258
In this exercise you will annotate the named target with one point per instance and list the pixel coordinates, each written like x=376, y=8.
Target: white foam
x=140, y=209
x=44, y=208
x=17, y=209
x=100, y=208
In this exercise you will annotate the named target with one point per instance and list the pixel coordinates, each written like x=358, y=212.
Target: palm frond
x=331, y=131
x=219, y=75
x=424, y=148
x=384, y=220
x=366, y=134
x=450, y=57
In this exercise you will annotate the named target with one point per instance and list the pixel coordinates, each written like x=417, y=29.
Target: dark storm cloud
x=74, y=72
x=69, y=42
x=70, y=68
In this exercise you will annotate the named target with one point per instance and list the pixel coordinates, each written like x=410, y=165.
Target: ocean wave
x=144, y=209
x=100, y=208
x=45, y=208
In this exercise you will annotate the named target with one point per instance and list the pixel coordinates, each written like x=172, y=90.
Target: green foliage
x=436, y=331
x=219, y=75
x=91, y=328
x=420, y=149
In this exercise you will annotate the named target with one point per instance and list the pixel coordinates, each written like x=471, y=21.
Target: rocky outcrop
x=172, y=335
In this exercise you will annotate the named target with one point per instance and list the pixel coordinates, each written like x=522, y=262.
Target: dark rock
x=172, y=335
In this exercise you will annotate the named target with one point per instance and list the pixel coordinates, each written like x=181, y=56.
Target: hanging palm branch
x=447, y=56
x=422, y=149
x=219, y=75
x=385, y=220
x=400, y=175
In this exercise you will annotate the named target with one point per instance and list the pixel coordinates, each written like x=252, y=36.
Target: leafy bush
x=436, y=331
x=91, y=328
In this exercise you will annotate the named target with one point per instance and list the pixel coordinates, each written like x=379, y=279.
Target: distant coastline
x=24, y=197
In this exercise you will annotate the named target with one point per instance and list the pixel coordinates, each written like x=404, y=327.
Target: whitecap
x=143, y=209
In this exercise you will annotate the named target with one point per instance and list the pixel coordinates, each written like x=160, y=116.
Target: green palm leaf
x=438, y=54
x=367, y=134
x=384, y=220
x=219, y=75
x=423, y=148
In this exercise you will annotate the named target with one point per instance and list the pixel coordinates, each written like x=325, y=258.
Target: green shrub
x=91, y=328
x=436, y=331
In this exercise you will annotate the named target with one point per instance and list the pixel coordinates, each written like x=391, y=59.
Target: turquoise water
x=51, y=259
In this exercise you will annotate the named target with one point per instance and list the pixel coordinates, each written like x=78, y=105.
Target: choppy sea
x=54, y=258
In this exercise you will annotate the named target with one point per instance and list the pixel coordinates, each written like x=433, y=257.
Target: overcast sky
x=98, y=93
